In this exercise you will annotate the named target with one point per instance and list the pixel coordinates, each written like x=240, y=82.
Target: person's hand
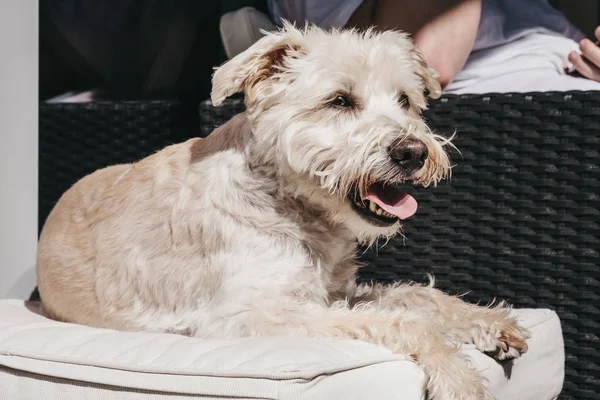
x=587, y=63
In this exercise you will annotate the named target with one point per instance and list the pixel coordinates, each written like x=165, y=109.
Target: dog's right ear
x=257, y=63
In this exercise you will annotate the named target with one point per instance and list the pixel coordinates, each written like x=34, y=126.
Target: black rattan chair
x=520, y=219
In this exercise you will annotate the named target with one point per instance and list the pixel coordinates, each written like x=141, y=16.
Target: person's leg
x=443, y=30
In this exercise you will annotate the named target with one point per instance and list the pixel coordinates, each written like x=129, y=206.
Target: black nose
x=410, y=154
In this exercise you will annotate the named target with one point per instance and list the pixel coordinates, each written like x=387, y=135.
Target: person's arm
x=444, y=30
x=588, y=62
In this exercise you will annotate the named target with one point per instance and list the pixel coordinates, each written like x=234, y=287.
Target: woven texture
x=79, y=138
x=520, y=219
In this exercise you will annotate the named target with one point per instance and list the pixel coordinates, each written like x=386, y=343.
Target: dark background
x=126, y=40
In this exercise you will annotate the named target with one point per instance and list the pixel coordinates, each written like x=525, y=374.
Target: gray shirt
x=503, y=21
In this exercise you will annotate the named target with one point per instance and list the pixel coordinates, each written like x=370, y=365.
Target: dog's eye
x=403, y=101
x=342, y=100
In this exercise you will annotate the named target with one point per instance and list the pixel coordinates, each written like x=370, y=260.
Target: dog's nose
x=410, y=154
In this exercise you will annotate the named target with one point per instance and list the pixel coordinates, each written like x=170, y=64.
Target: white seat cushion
x=64, y=361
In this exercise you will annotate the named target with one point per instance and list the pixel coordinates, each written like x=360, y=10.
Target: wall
x=18, y=146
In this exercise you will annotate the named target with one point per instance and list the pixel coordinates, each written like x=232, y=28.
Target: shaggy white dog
x=254, y=230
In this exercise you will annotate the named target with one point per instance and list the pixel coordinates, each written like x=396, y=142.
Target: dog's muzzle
x=383, y=203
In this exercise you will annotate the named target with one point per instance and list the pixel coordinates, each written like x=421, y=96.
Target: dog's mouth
x=383, y=204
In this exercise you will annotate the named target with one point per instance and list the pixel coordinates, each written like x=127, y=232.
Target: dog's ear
x=428, y=75
x=257, y=63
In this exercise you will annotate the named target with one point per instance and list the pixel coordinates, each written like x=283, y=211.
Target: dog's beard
x=348, y=161
x=377, y=199
x=381, y=194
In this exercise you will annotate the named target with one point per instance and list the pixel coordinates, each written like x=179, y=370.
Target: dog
x=254, y=229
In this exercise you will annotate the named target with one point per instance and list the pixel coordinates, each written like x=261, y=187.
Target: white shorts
x=532, y=63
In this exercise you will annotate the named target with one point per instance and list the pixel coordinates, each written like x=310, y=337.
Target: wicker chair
x=520, y=219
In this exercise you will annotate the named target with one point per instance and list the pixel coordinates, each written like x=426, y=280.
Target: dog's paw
x=503, y=340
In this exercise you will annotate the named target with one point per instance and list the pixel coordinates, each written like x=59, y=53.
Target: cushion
x=61, y=360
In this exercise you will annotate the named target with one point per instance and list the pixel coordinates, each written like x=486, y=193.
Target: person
x=477, y=46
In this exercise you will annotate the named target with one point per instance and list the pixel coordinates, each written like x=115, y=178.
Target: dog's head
x=339, y=115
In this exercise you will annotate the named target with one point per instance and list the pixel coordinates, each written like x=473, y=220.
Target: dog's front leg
x=490, y=329
x=415, y=333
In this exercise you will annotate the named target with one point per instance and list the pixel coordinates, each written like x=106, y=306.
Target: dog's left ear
x=428, y=75
x=259, y=62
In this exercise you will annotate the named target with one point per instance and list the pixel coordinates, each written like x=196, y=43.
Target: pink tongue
x=397, y=203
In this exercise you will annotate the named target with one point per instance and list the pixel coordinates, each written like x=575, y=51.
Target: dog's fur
x=250, y=232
